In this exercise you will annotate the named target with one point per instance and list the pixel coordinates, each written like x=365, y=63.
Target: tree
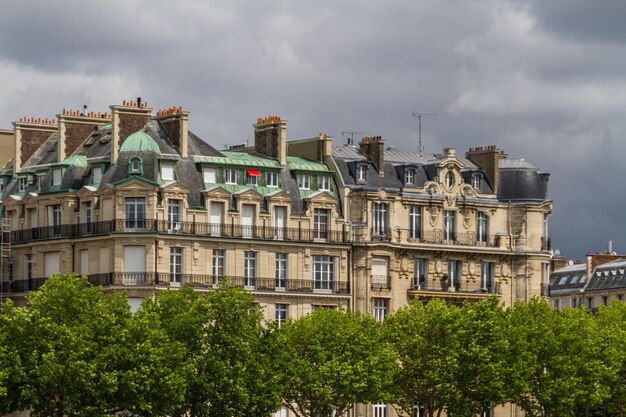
x=11, y=371
x=227, y=352
x=448, y=357
x=81, y=353
x=329, y=360
x=557, y=366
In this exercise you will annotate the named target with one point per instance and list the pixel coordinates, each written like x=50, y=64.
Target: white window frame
x=454, y=274
x=482, y=227
x=21, y=184
x=409, y=177
x=282, y=313
x=380, y=309
x=449, y=225
x=420, y=273
x=380, y=219
x=321, y=223
x=252, y=179
x=97, y=174
x=379, y=410
x=361, y=173
x=281, y=270
x=415, y=222
x=323, y=273
x=176, y=265
x=477, y=182
x=324, y=182
x=250, y=268
x=487, y=271
x=218, y=265
x=304, y=181
x=174, y=214
x=230, y=176
x=449, y=180
x=135, y=212
x=271, y=178
x=57, y=176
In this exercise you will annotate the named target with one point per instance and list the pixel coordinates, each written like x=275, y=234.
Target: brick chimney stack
x=127, y=119
x=30, y=134
x=374, y=148
x=596, y=259
x=487, y=158
x=270, y=138
x=74, y=128
x=176, y=122
x=7, y=146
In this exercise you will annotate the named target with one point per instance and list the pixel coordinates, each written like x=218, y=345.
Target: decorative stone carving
x=468, y=191
x=432, y=187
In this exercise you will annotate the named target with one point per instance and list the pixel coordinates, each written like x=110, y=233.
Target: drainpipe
x=156, y=256
x=73, y=257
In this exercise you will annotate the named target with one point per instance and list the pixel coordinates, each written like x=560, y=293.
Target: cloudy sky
x=543, y=80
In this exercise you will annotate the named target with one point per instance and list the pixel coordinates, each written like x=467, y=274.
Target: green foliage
x=612, y=334
x=449, y=358
x=329, y=360
x=557, y=360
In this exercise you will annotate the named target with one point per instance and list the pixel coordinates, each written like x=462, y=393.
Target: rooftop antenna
x=350, y=136
x=418, y=116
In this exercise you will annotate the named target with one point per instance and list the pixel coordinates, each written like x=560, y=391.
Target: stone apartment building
x=138, y=203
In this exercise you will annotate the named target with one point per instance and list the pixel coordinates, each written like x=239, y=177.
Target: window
x=449, y=225
x=252, y=177
x=415, y=222
x=380, y=307
x=590, y=302
x=482, y=228
x=605, y=300
x=409, y=177
x=84, y=262
x=477, y=182
x=134, y=264
x=209, y=174
x=361, y=173
x=173, y=214
x=281, y=313
x=557, y=304
x=454, y=275
x=418, y=411
x=167, y=171
x=487, y=413
x=249, y=269
x=218, y=265
x=54, y=219
x=320, y=223
x=486, y=275
x=52, y=263
x=21, y=184
x=449, y=180
x=323, y=272
x=176, y=265
x=380, y=220
x=39, y=180
x=324, y=182
x=304, y=181
x=135, y=166
x=380, y=272
x=85, y=217
x=135, y=212
x=1, y=185
x=420, y=273
x=575, y=302
x=230, y=176
x=272, y=179
x=379, y=410
x=575, y=279
x=56, y=176
x=620, y=297
x=281, y=270
x=563, y=280
x=97, y=175
x=28, y=267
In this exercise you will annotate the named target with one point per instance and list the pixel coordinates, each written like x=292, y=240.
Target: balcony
x=437, y=285
x=380, y=234
x=232, y=231
x=438, y=236
x=380, y=282
x=546, y=243
x=135, y=279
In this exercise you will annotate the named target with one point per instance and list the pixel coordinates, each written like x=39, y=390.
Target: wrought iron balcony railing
x=69, y=231
x=461, y=287
x=133, y=279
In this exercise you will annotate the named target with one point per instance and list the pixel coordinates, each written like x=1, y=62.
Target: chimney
x=30, y=134
x=74, y=128
x=127, y=119
x=596, y=259
x=270, y=138
x=176, y=122
x=7, y=146
x=487, y=158
x=374, y=148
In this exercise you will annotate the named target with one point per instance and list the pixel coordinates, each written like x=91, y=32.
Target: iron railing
x=133, y=279
x=236, y=231
x=546, y=244
x=462, y=286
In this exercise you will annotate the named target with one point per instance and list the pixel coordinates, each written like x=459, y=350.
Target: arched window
x=135, y=166
x=449, y=179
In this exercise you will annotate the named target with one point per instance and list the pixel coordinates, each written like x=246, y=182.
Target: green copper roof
x=300, y=164
x=236, y=158
x=140, y=141
x=75, y=160
x=234, y=188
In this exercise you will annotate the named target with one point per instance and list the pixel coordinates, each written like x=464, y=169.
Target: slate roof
x=608, y=276
x=569, y=279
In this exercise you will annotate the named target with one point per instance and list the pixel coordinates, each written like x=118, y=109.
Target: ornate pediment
x=174, y=187
x=86, y=192
x=216, y=192
x=135, y=183
x=279, y=196
x=248, y=195
x=321, y=197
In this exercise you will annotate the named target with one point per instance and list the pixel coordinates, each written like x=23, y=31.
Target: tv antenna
x=350, y=136
x=418, y=116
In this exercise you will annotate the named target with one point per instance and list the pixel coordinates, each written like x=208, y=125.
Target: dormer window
x=230, y=176
x=477, y=182
x=56, y=176
x=324, y=182
x=209, y=174
x=21, y=184
x=1, y=185
x=449, y=180
x=409, y=177
x=272, y=179
x=304, y=181
x=252, y=176
x=167, y=171
x=361, y=173
x=135, y=166
x=97, y=175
